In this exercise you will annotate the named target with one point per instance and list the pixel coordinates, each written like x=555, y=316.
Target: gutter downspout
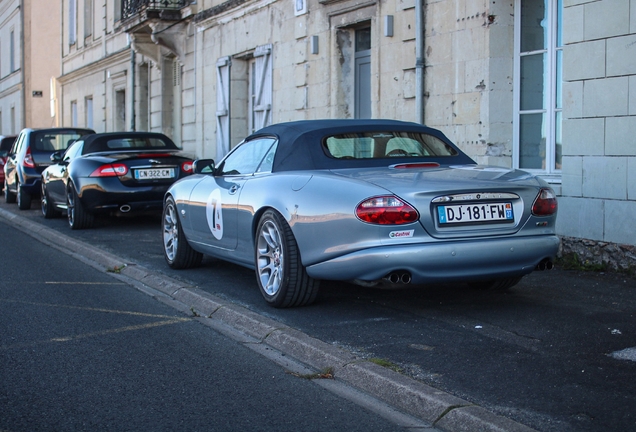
x=22, y=70
x=419, y=60
x=133, y=124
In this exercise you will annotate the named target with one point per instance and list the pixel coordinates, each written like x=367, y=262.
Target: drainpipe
x=132, y=86
x=22, y=48
x=419, y=60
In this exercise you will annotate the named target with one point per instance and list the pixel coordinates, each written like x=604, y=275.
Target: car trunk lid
x=146, y=167
x=459, y=201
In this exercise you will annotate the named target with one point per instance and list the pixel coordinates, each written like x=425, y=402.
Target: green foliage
x=387, y=364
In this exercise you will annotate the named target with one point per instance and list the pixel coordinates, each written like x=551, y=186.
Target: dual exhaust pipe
x=399, y=278
x=545, y=264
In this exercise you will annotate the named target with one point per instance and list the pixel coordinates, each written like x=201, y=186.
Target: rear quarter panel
x=320, y=209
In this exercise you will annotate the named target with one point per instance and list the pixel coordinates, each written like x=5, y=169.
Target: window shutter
x=263, y=93
x=222, y=107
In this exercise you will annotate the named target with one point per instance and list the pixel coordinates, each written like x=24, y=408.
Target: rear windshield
x=5, y=146
x=132, y=143
x=54, y=141
x=380, y=145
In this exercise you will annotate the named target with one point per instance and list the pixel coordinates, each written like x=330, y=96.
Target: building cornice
x=228, y=11
x=11, y=90
x=97, y=66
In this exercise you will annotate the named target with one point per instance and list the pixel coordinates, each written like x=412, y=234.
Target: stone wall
x=599, y=254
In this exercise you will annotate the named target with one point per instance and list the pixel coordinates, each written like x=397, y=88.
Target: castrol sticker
x=401, y=234
x=214, y=214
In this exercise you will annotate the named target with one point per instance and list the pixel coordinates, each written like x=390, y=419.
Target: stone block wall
x=598, y=201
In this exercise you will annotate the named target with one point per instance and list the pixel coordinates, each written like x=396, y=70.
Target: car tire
x=8, y=196
x=78, y=217
x=176, y=249
x=23, y=198
x=48, y=210
x=281, y=277
x=502, y=284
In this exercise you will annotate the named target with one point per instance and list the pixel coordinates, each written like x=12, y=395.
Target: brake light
x=187, y=167
x=28, y=159
x=110, y=170
x=545, y=204
x=416, y=165
x=386, y=210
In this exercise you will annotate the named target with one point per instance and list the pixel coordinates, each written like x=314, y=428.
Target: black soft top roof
x=300, y=143
x=99, y=142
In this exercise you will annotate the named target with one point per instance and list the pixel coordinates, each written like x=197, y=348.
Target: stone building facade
x=546, y=86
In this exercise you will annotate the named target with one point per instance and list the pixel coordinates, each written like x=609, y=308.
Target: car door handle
x=233, y=189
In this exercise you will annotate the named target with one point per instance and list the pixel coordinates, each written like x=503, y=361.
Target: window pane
x=532, y=82
x=363, y=39
x=246, y=158
x=532, y=141
x=559, y=29
x=559, y=79
x=533, y=25
x=557, y=141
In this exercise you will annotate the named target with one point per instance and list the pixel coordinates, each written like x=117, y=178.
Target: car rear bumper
x=442, y=262
x=112, y=195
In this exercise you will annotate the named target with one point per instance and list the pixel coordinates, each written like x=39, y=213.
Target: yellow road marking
x=88, y=309
x=95, y=334
x=120, y=330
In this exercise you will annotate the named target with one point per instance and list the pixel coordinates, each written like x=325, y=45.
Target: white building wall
x=599, y=132
x=11, y=81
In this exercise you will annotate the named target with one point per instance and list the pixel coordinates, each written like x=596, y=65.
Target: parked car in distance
x=366, y=201
x=6, y=142
x=29, y=156
x=111, y=172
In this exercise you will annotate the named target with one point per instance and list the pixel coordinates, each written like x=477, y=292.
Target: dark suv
x=6, y=142
x=29, y=156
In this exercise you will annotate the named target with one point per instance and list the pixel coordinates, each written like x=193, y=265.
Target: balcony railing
x=133, y=7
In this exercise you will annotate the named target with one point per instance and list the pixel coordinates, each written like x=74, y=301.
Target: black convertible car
x=111, y=172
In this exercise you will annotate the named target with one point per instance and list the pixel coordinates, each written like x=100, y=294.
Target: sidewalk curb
x=441, y=409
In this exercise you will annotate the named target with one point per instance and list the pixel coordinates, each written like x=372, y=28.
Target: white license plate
x=475, y=213
x=154, y=173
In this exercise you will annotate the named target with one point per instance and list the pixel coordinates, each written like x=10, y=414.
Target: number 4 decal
x=214, y=214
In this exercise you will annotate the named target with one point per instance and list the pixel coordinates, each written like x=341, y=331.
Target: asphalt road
x=548, y=354
x=81, y=350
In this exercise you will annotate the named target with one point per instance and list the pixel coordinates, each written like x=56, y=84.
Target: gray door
x=363, y=73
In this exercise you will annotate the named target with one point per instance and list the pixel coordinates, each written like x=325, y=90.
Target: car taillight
x=545, y=204
x=28, y=159
x=386, y=210
x=187, y=166
x=110, y=170
x=416, y=165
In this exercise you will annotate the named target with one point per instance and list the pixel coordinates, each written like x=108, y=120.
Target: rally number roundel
x=214, y=214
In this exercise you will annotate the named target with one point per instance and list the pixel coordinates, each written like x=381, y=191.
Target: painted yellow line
x=94, y=334
x=82, y=283
x=114, y=311
x=120, y=330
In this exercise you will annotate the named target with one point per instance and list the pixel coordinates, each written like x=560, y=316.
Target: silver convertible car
x=366, y=201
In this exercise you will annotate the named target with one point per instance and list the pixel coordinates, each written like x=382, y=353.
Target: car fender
x=321, y=214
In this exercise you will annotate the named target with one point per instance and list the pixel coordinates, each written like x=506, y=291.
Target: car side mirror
x=56, y=157
x=203, y=166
